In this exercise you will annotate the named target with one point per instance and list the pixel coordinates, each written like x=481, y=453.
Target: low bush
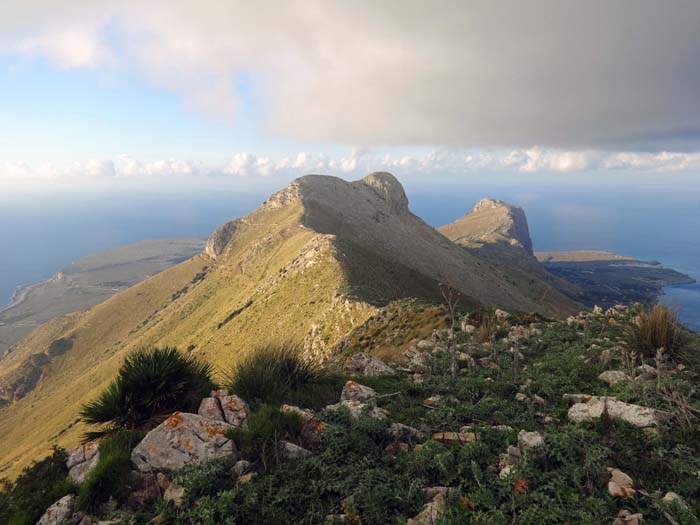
x=109, y=477
x=150, y=385
x=266, y=427
x=654, y=329
x=37, y=487
x=278, y=373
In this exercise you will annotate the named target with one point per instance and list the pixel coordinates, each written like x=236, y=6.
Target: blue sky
x=208, y=88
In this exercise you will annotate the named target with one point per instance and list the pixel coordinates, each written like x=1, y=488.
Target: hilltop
x=315, y=261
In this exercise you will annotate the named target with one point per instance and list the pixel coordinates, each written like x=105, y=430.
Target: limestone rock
x=431, y=512
x=620, y=484
x=82, y=460
x=356, y=408
x=401, y=432
x=625, y=517
x=241, y=467
x=174, y=494
x=210, y=407
x=612, y=377
x=636, y=415
x=455, y=437
x=180, y=440
x=501, y=314
x=291, y=451
x=60, y=512
x=366, y=365
x=353, y=391
x=529, y=440
x=235, y=410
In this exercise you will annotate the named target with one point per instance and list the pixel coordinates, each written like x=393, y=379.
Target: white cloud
x=69, y=48
x=559, y=74
x=360, y=162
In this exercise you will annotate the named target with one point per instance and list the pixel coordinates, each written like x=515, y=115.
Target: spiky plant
x=151, y=384
x=279, y=373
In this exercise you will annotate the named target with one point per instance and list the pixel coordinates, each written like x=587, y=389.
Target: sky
x=196, y=90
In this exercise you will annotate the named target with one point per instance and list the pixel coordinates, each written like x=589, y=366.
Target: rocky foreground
x=510, y=420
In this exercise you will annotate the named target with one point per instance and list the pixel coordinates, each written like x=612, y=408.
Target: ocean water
x=652, y=218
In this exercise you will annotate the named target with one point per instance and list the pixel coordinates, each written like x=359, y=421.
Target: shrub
x=265, y=429
x=278, y=373
x=109, y=477
x=209, y=479
x=37, y=487
x=150, y=385
x=654, y=329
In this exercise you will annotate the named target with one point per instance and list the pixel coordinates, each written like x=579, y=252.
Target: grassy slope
x=288, y=275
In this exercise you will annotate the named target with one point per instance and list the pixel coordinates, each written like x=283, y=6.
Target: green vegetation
x=24, y=501
x=563, y=481
x=109, y=477
x=265, y=429
x=278, y=373
x=151, y=384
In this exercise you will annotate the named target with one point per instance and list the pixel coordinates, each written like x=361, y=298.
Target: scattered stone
x=612, y=377
x=501, y=314
x=620, y=484
x=671, y=497
x=425, y=345
x=577, y=398
x=430, y=513
x=241, y=467
x=60, y=512
x=639, y=416
x=182, y=439
x=353, y=391
x=486, y=362
x=356, y=408
x=210, y=407
x=82, y=460
x=404, y=433
x=455, y=437
x=448, y=493
x=312, y=425
x=235, y=410
x=625, y=517
x=538, y=400
x=467, y=327
x=366, y=365
x=433, y=401
x=502, y=428
x=521, y=397
x=174, y=494
x=417, y=361
x=245, y=478
x=597, y=310
x=529, y=440
x=290, y=451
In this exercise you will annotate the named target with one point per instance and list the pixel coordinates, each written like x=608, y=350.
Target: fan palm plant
x=150, y=385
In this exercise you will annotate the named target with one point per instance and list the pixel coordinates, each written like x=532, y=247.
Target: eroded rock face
x=60, y=512
x=637, y=415
x=216, y=244
x=353, y=391
x=366, y=365
x=182, y=439
x=82, y=460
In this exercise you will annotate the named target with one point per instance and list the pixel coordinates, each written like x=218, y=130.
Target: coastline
x=20, y=295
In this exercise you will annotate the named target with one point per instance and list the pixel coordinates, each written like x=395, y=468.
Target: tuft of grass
x=150, y=385
x=278, y=373
x=109, y=477
x=654, y=329
x=265, y=429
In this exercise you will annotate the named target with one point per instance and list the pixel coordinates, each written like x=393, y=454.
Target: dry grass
x=654, y=329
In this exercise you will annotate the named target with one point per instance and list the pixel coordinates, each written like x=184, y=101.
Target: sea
x=650, y=217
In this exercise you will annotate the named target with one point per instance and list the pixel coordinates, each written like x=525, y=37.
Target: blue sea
x=649, y=217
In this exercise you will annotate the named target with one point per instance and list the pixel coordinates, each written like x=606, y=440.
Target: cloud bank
x=360, y=162
x=558, y=74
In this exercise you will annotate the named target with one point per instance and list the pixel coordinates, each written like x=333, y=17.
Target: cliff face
x=491, y=221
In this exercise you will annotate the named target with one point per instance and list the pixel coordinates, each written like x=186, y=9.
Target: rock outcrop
x=182, y=439
x=60, y=512
x=82, y=460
